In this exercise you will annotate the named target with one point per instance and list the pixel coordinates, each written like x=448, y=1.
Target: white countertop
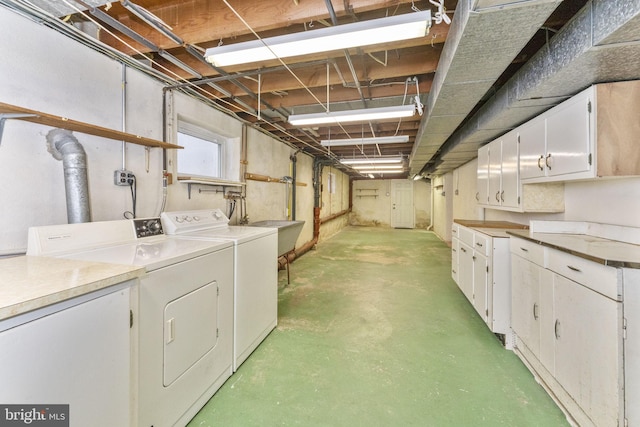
x=597, y=249
x=29, y=282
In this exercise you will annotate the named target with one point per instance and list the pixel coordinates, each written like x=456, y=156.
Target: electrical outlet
x=123, y=177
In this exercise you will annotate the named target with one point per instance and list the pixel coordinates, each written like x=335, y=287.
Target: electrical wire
x=133, y=187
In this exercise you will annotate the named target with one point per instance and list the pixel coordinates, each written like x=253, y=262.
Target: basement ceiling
x=454, y=70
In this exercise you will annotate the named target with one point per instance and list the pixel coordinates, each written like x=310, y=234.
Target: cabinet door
x=510, y=192
x=483, y=176
x=588, y=330
x=455, y=265
x=525, y=302
x=532, y=149
x=569, y=136
x=495, y=172
x=480, y=284
x=78, y=356
x=465, y=273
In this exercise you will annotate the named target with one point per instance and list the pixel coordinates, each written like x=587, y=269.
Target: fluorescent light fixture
x=375, y=31
x=369, y=166
x=361, y=115
x=365, y=172
x=365, y=141
x=371, y=161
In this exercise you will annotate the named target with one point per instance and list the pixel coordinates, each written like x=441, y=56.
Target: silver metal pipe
x=64, y=146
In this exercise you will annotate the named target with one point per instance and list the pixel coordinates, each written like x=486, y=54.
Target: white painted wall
x=49, y=72
x=372, y=203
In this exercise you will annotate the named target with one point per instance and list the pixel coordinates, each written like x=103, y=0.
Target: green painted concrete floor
x=374, y=332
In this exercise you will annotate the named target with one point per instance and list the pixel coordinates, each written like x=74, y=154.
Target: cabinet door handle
x=570, y=267
x=502, y=195
x=546, y=161
x=556, y=328
x=524, y=249
x=478, y=244
x=539, y=161
x=463, y=250
x=473, y=257
x=478, y=196
x=498, y=196
x=454, y=272
x=535, y=311
x=453, y=250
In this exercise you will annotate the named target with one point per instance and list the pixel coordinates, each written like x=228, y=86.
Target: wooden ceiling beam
x=207, y=21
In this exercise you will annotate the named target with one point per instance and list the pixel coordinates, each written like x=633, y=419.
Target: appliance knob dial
x=179, y=220
x=187, y=218
x=196, y=218
x=217, y=214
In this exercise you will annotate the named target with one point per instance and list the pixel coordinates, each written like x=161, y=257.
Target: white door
x=495, y=172
x=402, y=213
x=480, y=285
x=525, y=302
x=510, y=191
x=587, y=349
x=569, y=137
x=465, y=270
x=532, y=149
x=483, y=175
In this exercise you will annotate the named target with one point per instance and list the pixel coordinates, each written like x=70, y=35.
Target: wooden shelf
x=33, y=116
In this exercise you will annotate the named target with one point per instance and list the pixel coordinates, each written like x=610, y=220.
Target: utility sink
x=288, y=232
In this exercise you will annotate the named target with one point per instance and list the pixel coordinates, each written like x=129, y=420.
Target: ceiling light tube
x=365, y=172
x=369, y=166
x=365, y=141
x=372, y=160
x=361, y=115
x=374, y=31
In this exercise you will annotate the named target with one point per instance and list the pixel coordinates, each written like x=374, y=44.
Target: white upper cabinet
x=482, y=196
x=499, y=183
x=569, y=141
x=511, y=191
x=588, y=136
x=532, y=149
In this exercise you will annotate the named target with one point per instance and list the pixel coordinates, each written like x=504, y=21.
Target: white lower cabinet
x=569, y=335
x=483, y=276
x=75, y=353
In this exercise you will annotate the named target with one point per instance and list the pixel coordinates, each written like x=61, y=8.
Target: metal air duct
x=64, y=146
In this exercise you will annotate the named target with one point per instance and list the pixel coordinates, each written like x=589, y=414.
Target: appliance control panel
x=147, y=227
x=189, y=221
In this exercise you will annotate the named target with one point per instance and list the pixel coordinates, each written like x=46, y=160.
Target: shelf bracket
x=6, y=116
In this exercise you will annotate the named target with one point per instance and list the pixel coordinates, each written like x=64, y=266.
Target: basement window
x=203, y=152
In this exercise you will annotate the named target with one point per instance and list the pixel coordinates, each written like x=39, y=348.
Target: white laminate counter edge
x=597, y=249
x=618, y=233
x=28, y=283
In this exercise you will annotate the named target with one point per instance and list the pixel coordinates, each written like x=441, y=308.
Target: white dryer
x=255, y=272
x=183, y=317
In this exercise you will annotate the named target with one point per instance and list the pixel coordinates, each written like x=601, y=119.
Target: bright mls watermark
x=34, y=415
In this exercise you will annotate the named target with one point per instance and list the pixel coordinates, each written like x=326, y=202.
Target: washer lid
x=151, y=253
x=239, y=234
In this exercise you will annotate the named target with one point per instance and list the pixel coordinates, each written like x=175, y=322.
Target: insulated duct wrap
x=64, y=146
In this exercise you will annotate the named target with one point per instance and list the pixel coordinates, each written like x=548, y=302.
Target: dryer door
x=190, y=330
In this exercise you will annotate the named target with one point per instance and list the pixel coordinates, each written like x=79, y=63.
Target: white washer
x=185, y=308
x=255, y=272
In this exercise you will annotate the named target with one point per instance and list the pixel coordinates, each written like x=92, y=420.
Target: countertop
x=29, y=282
x=597, y=249
x=472, y=223
x=491, y=228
